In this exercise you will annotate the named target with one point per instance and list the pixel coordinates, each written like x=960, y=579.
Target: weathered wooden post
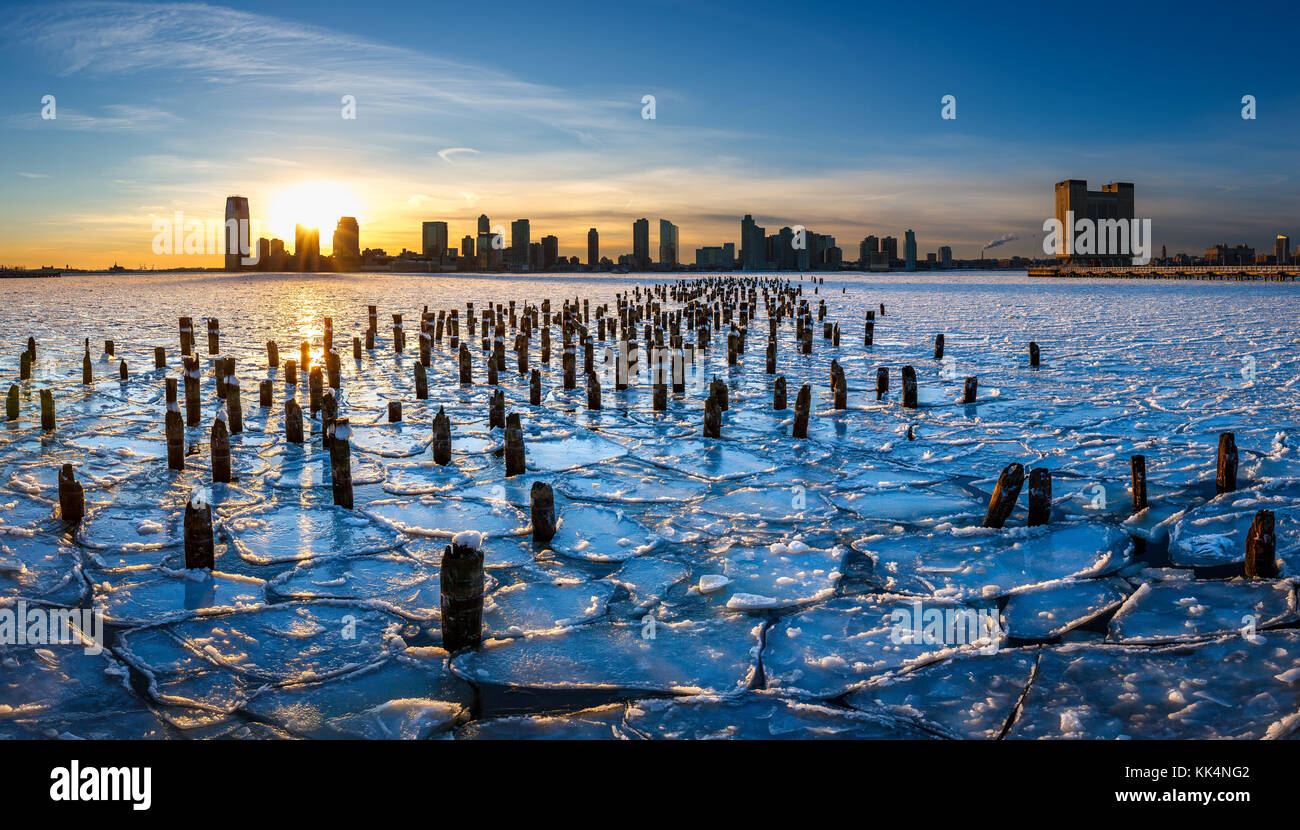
x=214, y=336
x=882, y=382
x=304, y=355
x=712, y=416
x=1033, y=354
x=329, y=413
x=1138, y=465
x=372, y=326
x=1040, y=496
x=291, y=372
x=25, y=366
x=292, y=421
x=187, y=336
x=72, y=497
x=497, y=410
x=356, y=349
x=660, y=397
x=193, y=409
x=426, y=349
x=108, y=348
x=316, y=389
x=47, y=410
x=159, y=357
x=341, y=462
x=265, y=393
x=1004, y=496
x=466, y=365
x=1225, y=480
x=327, y=335
x=593, y=390
x=174, y=427
x=839, y=386
x=200, y=550
x=441, y=438
x=514, y=446
x=272, y=355
x=802, y=406
x=1261, y=547
x=779, y=393
x=394, y=412
x=909, y=387
x=333, y=370
x=421, y=382
x=86, y=377
x=541, y=500
x=234, y=407
x=461, y=586
x=535, y=388
x=971, y=390
x=220, y=449
x=718, y=389
x=399, y=336
x=938, y=347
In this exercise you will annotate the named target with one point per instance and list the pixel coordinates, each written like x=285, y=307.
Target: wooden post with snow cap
x=272, y=355
x=779, y=393
x=1040, y=496
x=802, y=406
x=214, y=336
x=329, y=413
x=159, y=357
x=47, y=410
x=426, y=349
x=11, y=403
x=372, y=325
x=593, y=391
x=909, y=387
x=292, y=421
x=839, y=386
x=234, y=407
x=497, y=410
x=1261, y=547
x=399, y=336
x=200, y=550
x=394, y=412
x=541, y=502
x=72, y=497
x=712, y=416
x=421, y=382
x=341, y=462
x=190, y=376
x=187, y=336
x=466, y=365
x=514, y=446
x=535, y=388
x=461, y=585
x=1005, y=493
x=441, y=438
x=220, y=449
x=174, y=428
x=1033, y=354
x=971, y=390
x=1138, y=465
x=718, y=389
x=1225, y=480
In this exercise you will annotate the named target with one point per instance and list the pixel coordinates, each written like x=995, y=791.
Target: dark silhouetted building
x=434, y=239
x=667, y=244
x=520, y=244
x=237, y=231
x=1113, y=202
x=641, y=244
x=347, y=245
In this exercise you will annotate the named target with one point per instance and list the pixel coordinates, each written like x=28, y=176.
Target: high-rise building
x=520, y=240
x=306, y=248
x=467, y=248
x=593, y=249
x=484, y=226
x=945, y=256
x=889, y=247
x=667, y=244
x=641, y=244
x=753, y=244
x=909, y=250
x=347, y=244
x=434, y=239
x=1075, y=201
x=550, y=252
x=1282, y=249
x=866, y=248
x=238, y=243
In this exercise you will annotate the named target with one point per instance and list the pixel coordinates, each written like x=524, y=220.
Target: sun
x=313, y=204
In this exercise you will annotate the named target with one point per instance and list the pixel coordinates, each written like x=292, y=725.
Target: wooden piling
x=712, y=416
x=315, y=389
x=971, y=390
x=356, y=349
x=174, y=428
x=214, y=336
x=159, y=357
x=593, y=391
x=265, y=393
x=421, y=383
x=394, y=412
x=1225, y=480
x=292, y=421
x=193, y=406
x=200, y=549
x=25, y=366
x=514, y=445
x=441, y=438
x=220, y=449
x=47, y=410
x=1003, y=501
x=1033, y=354
x=11, y=403
x=341, y=462
x=778, y=393
x=461, y=585
x=839, y=386
x=909, y=387
x=535, y=388
x=72, y=497
x=1138, y=465
x=291, y=372
x=802, y=406
x=1040, y=496
x=86, y=377
x=882, y=382
x=187, y=336
x=272, y=355
x=541, y=501
x=1261, y=547
x=466, y=365
x=938, y=347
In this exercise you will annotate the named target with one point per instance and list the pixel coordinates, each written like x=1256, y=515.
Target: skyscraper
x=520, y=239
x=945, y=256
x=667, y=244
x=909, y=250
x=1113, y=202
x=306, y=248
x=1282, y=250
x=889, y=247
x=238, y=243
x=347, y=244
x=753, y=245
x=467, y=248
x=593, y=249
x=434, y=239
x=866, y=248
x=550, y=252
x=484, y=226
x=641, y=244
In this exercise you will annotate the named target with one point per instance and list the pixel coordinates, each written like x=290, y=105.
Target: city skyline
x=159, y=110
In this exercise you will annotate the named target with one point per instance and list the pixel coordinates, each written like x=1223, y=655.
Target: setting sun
x=313, y=204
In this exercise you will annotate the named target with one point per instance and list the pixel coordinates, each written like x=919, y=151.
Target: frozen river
x=750, y=586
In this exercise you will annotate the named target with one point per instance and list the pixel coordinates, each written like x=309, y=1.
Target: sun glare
x=314, y=204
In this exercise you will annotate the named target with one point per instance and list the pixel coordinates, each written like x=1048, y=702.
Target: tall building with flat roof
x=347, y=244
x=753, y=244
x=433, y=239
x=467, y=247
x=593, y=248
x=1113, y=202
x=306, y=248
x=667, y=244
x=1282, y=249
x=889, y=247
x=909, y=250
x=550, y=252
x=641, y=244
x=237, y=231
x=520, y=242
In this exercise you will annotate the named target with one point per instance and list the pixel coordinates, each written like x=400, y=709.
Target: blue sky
x=826, y=115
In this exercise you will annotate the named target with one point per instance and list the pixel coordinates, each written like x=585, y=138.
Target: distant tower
x=347, y=244
x=484, y=227
x=467, y=248
x=909, y=250
x=1282, y=250
x=593, y=248
x=520, y=243
x=434, y=238
x=237, y=231
x=641, y=244
x=667, y=244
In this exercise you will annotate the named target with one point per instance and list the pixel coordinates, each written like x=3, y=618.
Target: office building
x=593, y=249
x=667, y=244
x=1282, y=250
x=753, y=244
x=550, y=252
x=347, y=244
x=434, y=239
x=520, y=244
x=1075, y=201
x=641, y=244
x=909, y=250
x=238, y=243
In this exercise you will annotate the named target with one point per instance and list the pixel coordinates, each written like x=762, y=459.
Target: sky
x=826, y=115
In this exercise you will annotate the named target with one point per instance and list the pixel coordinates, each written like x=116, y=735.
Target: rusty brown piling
x=802, y=407
x=541, y=501
x=1261, y=547
x=200, y=550
x=72, y=497
x=441, y=438
x=461, y=584
x=1225, y=480
x=1005, y=493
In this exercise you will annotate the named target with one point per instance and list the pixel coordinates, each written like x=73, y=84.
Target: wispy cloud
x=446, y=155
x=34, y=175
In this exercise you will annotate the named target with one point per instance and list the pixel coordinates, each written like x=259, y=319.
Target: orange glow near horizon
x=312, y=204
